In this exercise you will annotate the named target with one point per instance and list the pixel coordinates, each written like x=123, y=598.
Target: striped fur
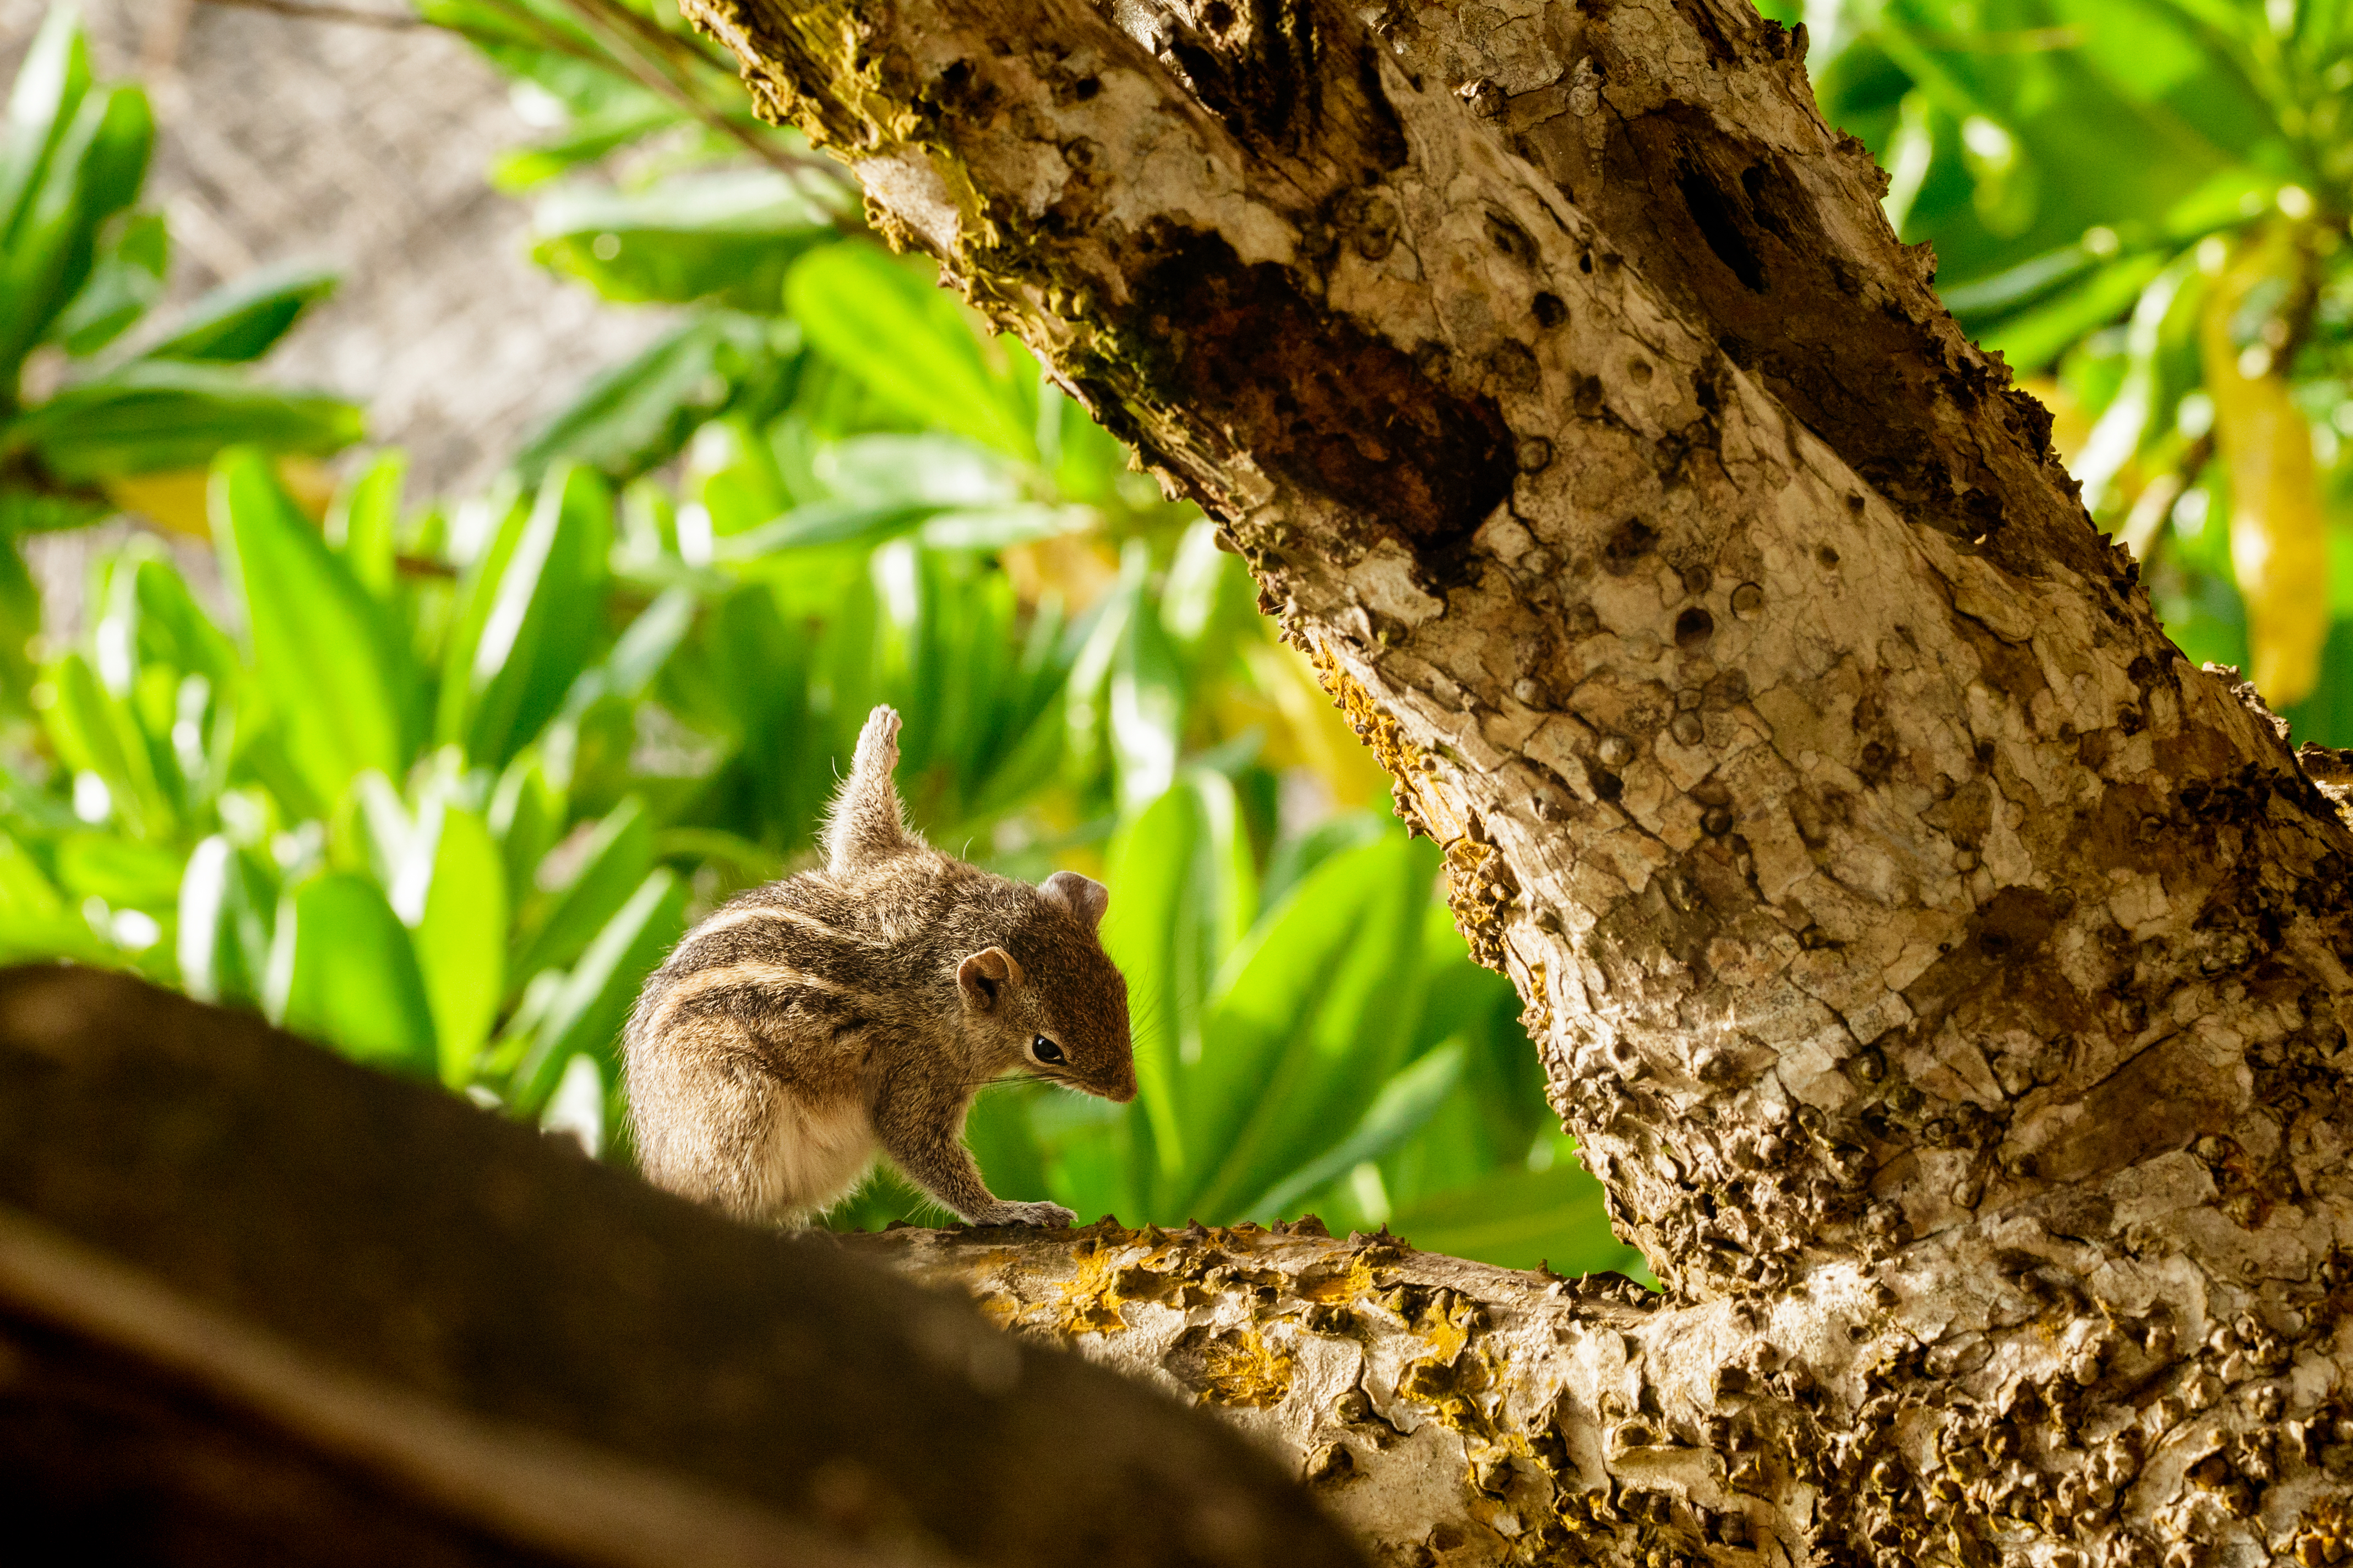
x=816, y=1022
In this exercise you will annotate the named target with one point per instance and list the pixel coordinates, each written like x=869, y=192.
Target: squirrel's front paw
x=877, y=742
x=1050, y=1216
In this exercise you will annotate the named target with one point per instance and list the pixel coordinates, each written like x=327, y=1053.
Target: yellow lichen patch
x=1400, y=756
x=1241, y=1368
x=2324, y=1535
x=1537, y=1016
x=1479, y=887
x=1445, y=1337
x=1353, y=1283
x=1088, y=1301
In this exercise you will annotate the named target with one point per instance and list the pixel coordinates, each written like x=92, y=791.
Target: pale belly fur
x=814, y=1158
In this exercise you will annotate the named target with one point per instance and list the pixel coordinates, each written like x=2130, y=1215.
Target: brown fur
x=814, y=1022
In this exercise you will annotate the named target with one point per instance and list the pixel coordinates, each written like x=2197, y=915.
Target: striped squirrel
x=811, y=1022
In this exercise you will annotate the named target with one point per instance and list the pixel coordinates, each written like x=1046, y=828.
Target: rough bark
x=259, y=1305
x=1946, y=981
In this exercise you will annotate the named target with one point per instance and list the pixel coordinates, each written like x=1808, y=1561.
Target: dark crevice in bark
x=1876, y=383
x=1343, y=412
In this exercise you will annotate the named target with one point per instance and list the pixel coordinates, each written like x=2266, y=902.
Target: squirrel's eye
x=1045, y=1050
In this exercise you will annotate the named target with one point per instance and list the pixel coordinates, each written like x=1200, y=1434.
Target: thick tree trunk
x=1946, y=980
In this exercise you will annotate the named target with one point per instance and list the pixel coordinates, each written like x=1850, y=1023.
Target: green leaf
x=1311, y=1017
x=1147, y=708
x=48, y=91
x=2033, y=339
x=1516, y=1218
x=225, y=905
x=534, y=609
x=614, y=860
x=876, y=318
x=125, y=281
x=95, y=172
x=726, y=237
x=20, y=622
x=150, y=417
x=638, y=415
x=997, y=1132
x=342, y=971
x=822, y=524
x=518, y=169
x=338, y=682
x=2164, y=317
x=95, y=732
x=527, y=815
x=587, y=1014
x=365, y=521
x=243, y=320
x=36, y=921
x=460, y=931
x=1404, y=1103
x=1152, y=931
x=125, y=872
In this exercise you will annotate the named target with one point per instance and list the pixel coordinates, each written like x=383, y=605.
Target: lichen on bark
x=1946, y=980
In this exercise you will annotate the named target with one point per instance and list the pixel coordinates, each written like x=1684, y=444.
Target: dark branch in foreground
x=255, y=1301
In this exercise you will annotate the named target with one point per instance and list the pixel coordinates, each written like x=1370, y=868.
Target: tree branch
x=410, y=1314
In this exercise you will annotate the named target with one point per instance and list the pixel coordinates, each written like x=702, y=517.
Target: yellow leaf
x=174, y=500
x=2278, y=545
x=1314, y=734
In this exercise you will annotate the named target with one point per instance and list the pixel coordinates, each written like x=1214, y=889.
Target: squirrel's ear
x=984, y=977
x=1083, y=896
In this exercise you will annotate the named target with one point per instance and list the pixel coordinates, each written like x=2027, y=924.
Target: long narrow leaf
x=338, y=682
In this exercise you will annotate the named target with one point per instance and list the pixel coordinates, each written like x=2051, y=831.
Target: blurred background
x=463, y=483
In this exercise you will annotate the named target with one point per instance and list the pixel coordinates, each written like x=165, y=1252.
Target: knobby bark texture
x=259, y=1305
x=1947, y=981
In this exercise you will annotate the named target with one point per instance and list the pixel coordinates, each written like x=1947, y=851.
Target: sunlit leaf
x=530, y=620
x=1396, y=1113
x=341, y=686
x=342, y=971
x=612, y=863
x=125, y=281
x=1313, y=1014
x=2278, y=541
x=1518, y=1218
x=151, y=416
x=638, y=415
x=364, y=517
x=226, y=906
x=49, y=89
x=585, y=1014
x=244, y=319
x=728, y=237
x=94, y=173
x=461, y=933
x=873, y=316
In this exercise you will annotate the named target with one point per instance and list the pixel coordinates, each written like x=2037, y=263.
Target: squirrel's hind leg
x=865, y=825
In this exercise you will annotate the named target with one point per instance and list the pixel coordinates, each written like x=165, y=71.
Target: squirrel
x=811, y=1022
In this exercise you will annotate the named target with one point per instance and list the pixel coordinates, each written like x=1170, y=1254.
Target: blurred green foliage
x=101, y=406
x=2143, y=204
